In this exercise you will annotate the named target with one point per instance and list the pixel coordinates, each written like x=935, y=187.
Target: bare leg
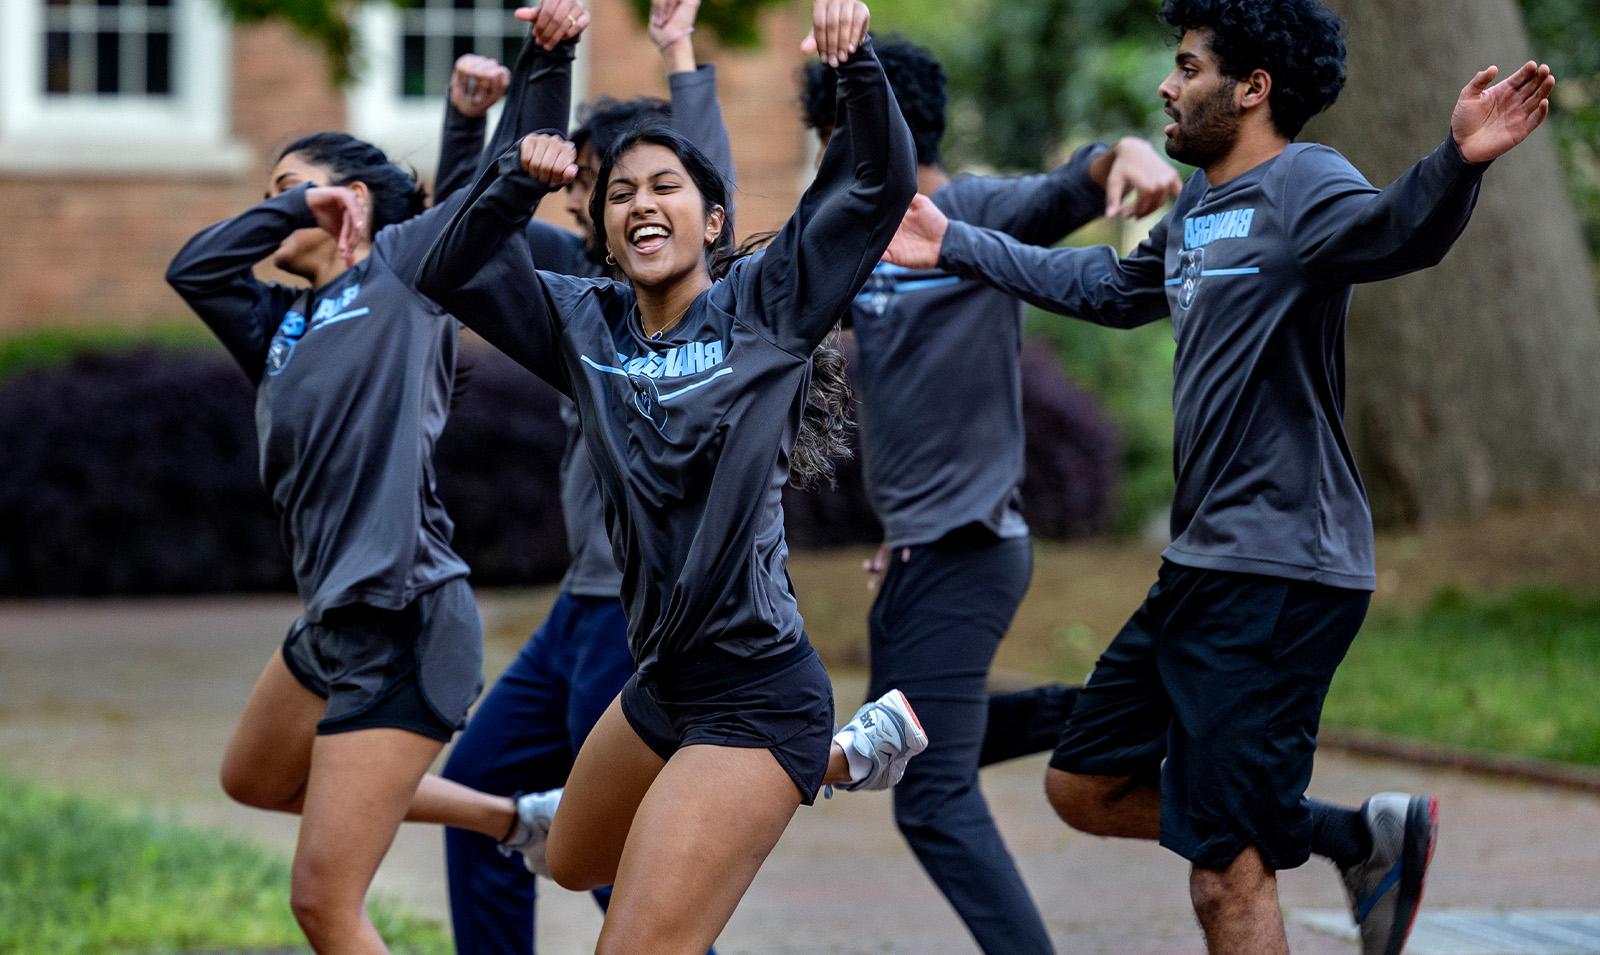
x=1238, y=907
x=609, y=779
x=1105, y=805
x=360, y=788
x=698, y=839
x=268, y=761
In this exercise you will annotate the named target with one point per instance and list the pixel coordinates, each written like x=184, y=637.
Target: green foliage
x=1513, y=673
x=82, y=876
x=1566, y=34
x=324, y=22
x=734, y=22
x=1028, y=76
x=1131, y=372
x=49, y=346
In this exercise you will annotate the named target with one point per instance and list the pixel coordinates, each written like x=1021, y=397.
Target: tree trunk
x=1477, y=382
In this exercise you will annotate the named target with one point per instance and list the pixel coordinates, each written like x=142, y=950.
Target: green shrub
x=1513, y=673
x=82, y=876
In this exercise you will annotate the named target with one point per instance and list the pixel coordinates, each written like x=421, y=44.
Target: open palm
x=1489, y=120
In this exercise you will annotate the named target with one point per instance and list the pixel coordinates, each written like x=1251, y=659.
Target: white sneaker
x=535, y=813
x=887, y=733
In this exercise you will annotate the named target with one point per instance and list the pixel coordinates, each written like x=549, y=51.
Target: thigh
x=613, y=772
x=361, y=786
x=1118, y=726
x=517, y=738
x=942, y=613
x=268, y=757
x=698, y=839
x=1247, y=672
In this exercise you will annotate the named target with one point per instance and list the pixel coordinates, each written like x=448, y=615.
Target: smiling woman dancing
x=693, y=389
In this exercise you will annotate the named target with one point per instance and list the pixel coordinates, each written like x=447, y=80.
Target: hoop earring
x=609, y=259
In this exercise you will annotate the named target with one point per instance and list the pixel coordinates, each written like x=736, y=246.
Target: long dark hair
x=396, y=196
x=823, y=438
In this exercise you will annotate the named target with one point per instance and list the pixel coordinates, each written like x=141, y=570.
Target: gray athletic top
x=1257, y=276
x=941, y=388
x=353, y=385
x=690, y=436
x=697, y=114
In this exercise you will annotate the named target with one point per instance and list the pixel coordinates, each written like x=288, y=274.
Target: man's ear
x=1254, y=90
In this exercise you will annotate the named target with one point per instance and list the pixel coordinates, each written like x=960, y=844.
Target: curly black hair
x=917, y=80
x=1299, y=43
x=603, y=121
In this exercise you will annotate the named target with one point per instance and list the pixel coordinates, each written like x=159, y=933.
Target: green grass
x=77, y=875
x=50, y=346
x=1515, y=673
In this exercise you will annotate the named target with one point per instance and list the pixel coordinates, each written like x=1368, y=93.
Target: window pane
x=158, y=3
x=414, y=66
x=460, y=46
x=509, y=48
x=158, y=64
x=108, y=3
x=57, y=63
x=107, y=48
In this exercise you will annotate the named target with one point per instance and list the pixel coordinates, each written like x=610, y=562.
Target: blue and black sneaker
x=1385, y=888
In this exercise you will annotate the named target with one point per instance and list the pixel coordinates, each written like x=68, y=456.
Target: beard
x=1206, y=131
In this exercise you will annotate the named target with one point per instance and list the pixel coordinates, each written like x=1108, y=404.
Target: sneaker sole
x=1422, y=834
x=919, y=736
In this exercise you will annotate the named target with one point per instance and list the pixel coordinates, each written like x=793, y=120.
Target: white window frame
x=71, y=134
x=407, y=128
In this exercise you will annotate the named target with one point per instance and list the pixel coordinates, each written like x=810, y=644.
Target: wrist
x=677, y=49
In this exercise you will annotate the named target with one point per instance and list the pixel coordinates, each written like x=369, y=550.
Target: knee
x=926, y=813
x=1083, y=804
x=1210, y=894
x=315, y=910
x=571, y=871
x=249, y=789
x=1219, y=894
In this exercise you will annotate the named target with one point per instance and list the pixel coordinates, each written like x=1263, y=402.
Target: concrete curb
x=1582, y=779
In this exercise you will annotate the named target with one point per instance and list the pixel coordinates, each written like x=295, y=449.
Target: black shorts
x=416, y=669
x=1222, y=675
x=782, y=704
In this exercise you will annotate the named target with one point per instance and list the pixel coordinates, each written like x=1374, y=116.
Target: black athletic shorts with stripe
x=418, y=668
x=1215, y=686
x=782, y=704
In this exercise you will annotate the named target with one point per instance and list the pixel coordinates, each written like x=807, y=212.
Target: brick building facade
x=113, y=152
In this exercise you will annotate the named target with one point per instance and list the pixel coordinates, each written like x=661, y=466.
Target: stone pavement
x=133, y=700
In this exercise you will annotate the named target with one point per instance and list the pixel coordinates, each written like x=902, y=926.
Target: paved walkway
x=133, y=700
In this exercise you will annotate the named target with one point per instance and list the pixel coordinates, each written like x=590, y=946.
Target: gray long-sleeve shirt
x=697, y=114
x=1256, y=274
x=942, y=442
x=690, y=436
x=353, y=384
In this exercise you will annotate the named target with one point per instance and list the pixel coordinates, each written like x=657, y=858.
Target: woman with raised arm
x=353, y=377
x=695, y=393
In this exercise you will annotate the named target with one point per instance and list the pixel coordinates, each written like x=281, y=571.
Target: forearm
x=219, y=254
x=1411, y=225
x=539, y=97
x=460, y=151
x=499, y=206
x=697, y=114
x=1088, y=284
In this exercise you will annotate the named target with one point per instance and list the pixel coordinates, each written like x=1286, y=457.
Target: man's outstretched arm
x=1089, y=284
x=1345, y=231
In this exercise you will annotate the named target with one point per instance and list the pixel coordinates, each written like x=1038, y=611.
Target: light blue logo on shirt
x=1201, y=231
x=335, y=308
x=644, y=372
